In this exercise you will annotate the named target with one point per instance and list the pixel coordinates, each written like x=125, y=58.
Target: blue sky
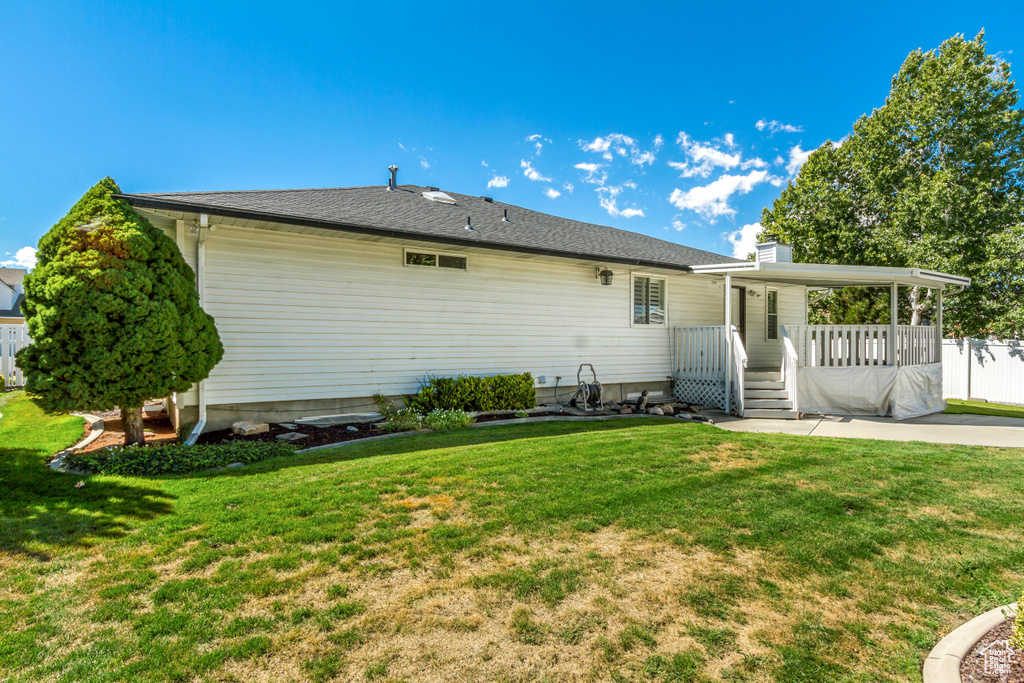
x=677, y=120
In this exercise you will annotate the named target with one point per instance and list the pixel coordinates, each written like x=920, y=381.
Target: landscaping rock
x=668, y=410
x=290, y=426
x=352, y=429
x=249, y=427
x=656, y=410
x=234, y=466
x=291, y=437
x=626, y=411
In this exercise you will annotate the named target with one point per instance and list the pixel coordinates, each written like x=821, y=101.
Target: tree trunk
x=131, y=420
x=917, y=305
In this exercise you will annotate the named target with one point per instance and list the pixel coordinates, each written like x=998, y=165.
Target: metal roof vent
x=504, y=218
x=393, y=180
x=469, y=224
x=486, y=199
x=440, y=197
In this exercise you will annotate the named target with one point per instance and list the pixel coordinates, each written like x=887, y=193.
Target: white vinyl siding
x=763, y=352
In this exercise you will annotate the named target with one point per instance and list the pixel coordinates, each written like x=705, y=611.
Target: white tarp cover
x=903, y=392
x=918, y=391
x=846, y=391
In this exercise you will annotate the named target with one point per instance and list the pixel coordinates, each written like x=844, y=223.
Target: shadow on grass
x=418, y=443
x=42, y=510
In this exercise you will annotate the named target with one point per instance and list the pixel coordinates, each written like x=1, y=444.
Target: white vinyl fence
x=12, y=338
x=984, y=370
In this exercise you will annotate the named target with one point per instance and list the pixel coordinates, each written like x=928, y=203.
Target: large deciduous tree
x=113, y=313
x=934, y=179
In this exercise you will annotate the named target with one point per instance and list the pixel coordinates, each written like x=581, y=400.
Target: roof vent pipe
x=504, y=218
x=469, y=224
x=393, y=182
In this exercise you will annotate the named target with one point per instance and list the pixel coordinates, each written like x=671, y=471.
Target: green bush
x=500, y=392
x=403, y=420
x=440, y=420
x=175, y=458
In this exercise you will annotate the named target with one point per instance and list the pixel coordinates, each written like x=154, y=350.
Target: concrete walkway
x=969, y=430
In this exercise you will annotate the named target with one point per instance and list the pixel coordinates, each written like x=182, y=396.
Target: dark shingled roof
x=15, y=311
x=12, y=276
x=404, y=212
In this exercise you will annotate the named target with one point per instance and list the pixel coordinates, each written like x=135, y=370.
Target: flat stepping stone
x=332, y=420
x=291, y=437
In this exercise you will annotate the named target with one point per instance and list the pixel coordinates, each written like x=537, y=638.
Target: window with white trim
x=771, y=314
x=432, y=259
x=648, y=300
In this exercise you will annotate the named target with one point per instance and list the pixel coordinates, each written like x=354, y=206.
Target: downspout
x=202, y=228
x=728, y=343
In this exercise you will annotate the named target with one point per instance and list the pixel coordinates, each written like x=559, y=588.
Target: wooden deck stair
x=764, y=396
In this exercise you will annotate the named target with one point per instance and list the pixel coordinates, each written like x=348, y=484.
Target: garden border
x=501, y=423
x=943, y=663
x=96, y=426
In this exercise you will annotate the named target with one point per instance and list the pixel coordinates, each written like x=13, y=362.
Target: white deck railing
x=700, y=352
x=862, y=345
x=12, y=338
x=790, y=361
x=739, y=370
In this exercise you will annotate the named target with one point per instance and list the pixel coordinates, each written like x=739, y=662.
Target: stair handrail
x=790, y=360
x=739, y=357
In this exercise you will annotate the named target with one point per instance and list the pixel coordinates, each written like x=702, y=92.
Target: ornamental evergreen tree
x=934, y=178
x=113, y=313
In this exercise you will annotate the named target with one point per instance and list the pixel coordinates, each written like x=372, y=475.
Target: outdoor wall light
x=604, y=275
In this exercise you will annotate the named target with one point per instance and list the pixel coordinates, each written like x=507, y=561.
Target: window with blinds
x=648, y=301
x=771, y=318
x=435, y=260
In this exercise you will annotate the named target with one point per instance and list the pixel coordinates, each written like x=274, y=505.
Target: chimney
x=774, y=251
x=393, y=182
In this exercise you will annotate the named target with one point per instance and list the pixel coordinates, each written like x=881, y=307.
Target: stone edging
x=96, y=425
x=943, y=662
x=501, y=423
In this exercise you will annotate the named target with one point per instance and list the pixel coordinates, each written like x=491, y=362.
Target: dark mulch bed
x=315, y=436
x=986, y=662
x=512, y=416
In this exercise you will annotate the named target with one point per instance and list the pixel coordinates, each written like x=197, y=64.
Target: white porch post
x=893, y=319
x=938, y=325
x=728, y=342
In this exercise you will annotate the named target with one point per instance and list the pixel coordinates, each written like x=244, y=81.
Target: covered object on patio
x=839, y=369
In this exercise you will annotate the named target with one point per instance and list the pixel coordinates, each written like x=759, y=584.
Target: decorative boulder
x=668, y=410
x=656, y=410
x=249, y=427
x=626, y=411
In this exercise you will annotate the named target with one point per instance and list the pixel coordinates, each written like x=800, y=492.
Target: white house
x=13, y=334
x=323, y=297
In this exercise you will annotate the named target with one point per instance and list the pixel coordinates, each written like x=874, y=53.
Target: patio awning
x=827, y=276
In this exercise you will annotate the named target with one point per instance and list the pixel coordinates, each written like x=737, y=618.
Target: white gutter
x=202, y=229
x=826, y=275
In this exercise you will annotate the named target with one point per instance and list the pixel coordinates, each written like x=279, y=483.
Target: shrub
x=175, y=458
x=383, y=405
x=403, y=420
x=440, y=420
x=500, y=392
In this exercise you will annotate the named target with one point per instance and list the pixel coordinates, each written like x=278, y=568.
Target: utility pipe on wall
x=728, y=342
x=202, y=228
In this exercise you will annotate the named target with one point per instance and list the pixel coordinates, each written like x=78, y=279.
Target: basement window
x=771, y=318
x=430, y=259
x=648, y=300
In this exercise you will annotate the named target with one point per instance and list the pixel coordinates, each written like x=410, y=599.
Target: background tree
x=113, y=313
x=934, y=179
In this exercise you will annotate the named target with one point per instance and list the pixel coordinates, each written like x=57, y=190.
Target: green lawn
x=957, y=407
x=626, y=550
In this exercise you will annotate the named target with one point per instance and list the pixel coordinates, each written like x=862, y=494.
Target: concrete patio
x=969, y=430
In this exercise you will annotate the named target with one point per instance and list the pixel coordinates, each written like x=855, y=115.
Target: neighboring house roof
x=12, y=276
x=15, y=311
x=405, y=212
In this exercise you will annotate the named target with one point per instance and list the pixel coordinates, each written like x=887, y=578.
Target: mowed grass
x=625, y=550
x=958, y=407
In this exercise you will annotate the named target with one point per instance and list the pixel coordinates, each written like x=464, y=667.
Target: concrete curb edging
x=96, y=425
x=502, y=423
x=943, y=662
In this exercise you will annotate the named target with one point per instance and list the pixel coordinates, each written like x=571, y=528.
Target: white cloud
x=629, y=213
x=608, y=202
x=552, y=193
x=677, y=225
x=23, y=258
x=744, y=240
x=630, y=184
x=538, y=140
x=704, y=157
x=498, y=181
x=424, y=164
x=778, y=127
x=797, y=158
x=484, y=163
x=589, y=168
x=530, y=172
x=569, y=187
x=712, y=201
x=624, y=146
